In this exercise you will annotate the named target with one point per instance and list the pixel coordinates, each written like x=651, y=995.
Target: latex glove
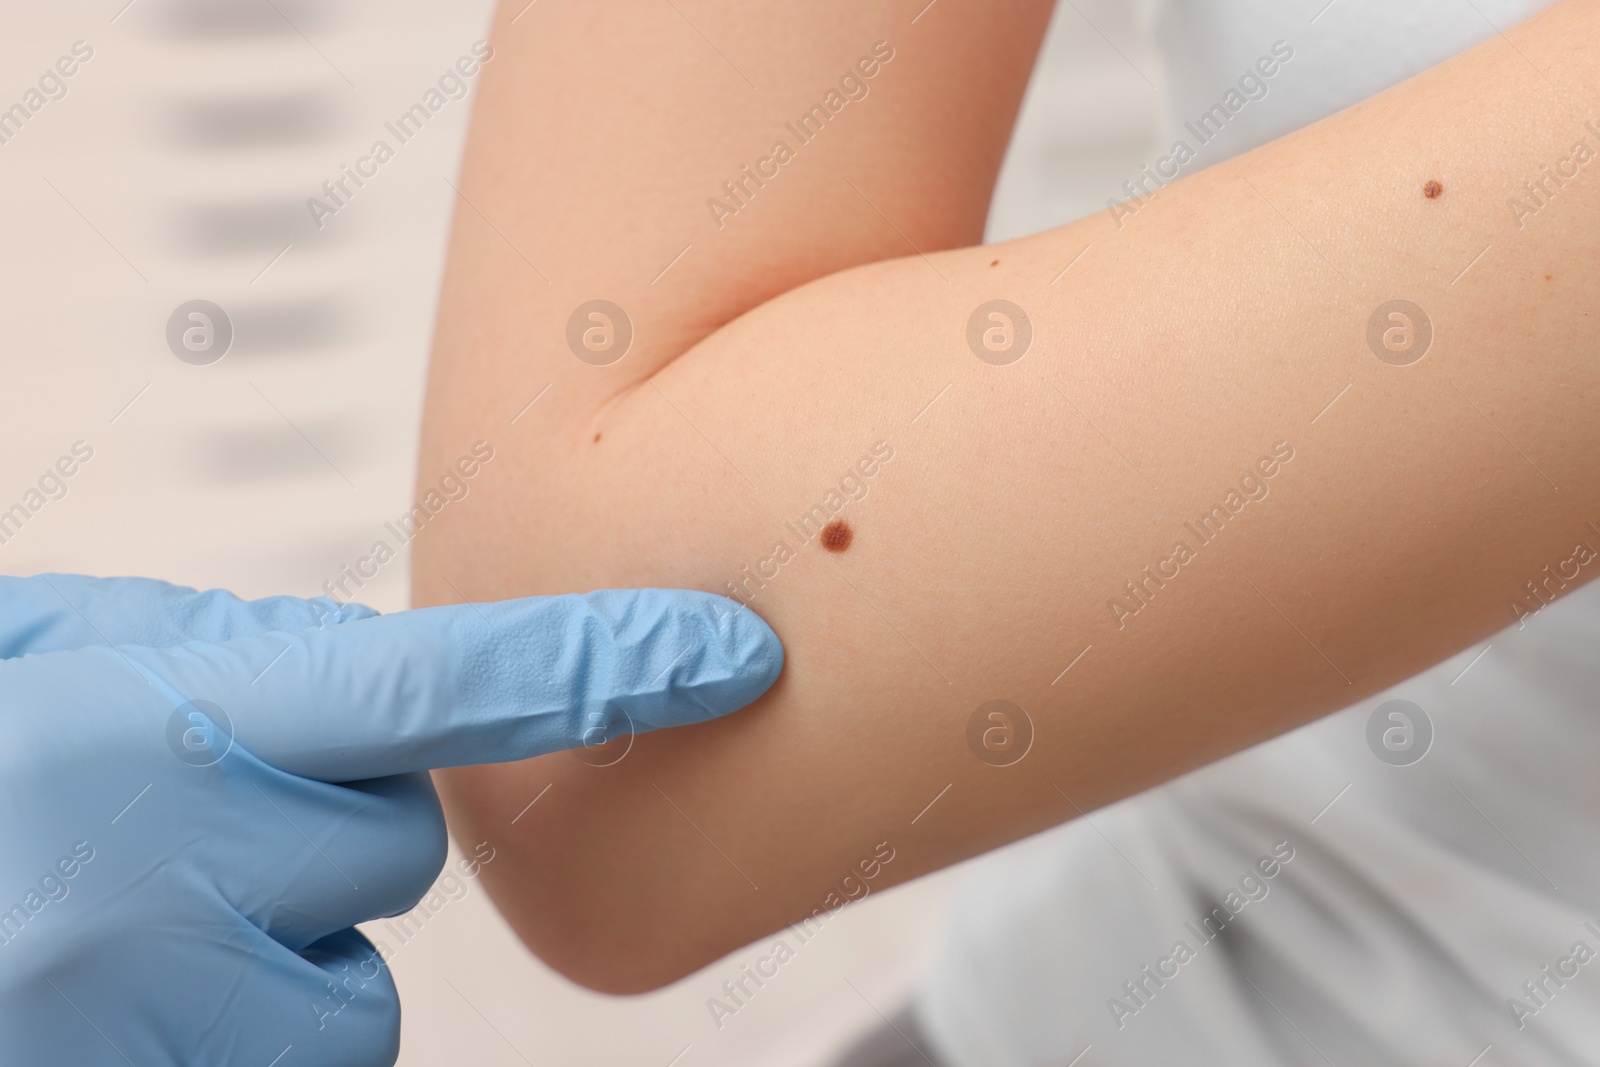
x=179, y=885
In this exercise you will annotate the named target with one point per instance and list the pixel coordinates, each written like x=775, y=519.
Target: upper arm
x=1181, y=374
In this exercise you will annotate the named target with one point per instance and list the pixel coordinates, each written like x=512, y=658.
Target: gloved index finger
x=484, y=683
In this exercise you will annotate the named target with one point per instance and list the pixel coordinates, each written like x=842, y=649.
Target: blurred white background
x=177, y=167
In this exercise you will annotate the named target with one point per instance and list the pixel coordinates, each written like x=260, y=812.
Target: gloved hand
x=200, y=796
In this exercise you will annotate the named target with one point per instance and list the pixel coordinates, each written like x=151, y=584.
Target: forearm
x=688, y=161
x=1229, y=315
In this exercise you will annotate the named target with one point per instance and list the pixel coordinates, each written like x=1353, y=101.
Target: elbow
x=622, y=960
x=582, y=887
x=621, y=942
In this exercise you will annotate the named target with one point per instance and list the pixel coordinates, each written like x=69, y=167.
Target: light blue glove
x=201, y=796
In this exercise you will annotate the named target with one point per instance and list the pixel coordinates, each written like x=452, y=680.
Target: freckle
x=996, y=263
x=596, y=438
x=1432, y=190
x=837, y=535
x=1547, y=277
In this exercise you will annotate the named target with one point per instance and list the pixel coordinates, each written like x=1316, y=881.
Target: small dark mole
x=1432, y=190
x=996, y=263
x=837, y=535
x=596, y=438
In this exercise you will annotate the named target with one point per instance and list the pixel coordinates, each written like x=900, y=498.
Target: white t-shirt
x=1333, y=907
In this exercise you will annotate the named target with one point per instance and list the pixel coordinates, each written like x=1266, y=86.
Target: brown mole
x=1432, y=190
x=837, y=535
x=996, y=263
x=596, y=438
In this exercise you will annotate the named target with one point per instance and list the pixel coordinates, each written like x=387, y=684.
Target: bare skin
x=1391, y=516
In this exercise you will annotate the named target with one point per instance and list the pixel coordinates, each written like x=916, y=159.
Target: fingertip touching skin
x=483, y=683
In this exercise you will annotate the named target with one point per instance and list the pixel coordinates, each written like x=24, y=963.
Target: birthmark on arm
x=837, y=535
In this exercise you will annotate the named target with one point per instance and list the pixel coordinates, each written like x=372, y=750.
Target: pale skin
x=1217, y=331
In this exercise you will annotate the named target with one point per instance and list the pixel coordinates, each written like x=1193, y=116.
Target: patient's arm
x=1222, y=327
